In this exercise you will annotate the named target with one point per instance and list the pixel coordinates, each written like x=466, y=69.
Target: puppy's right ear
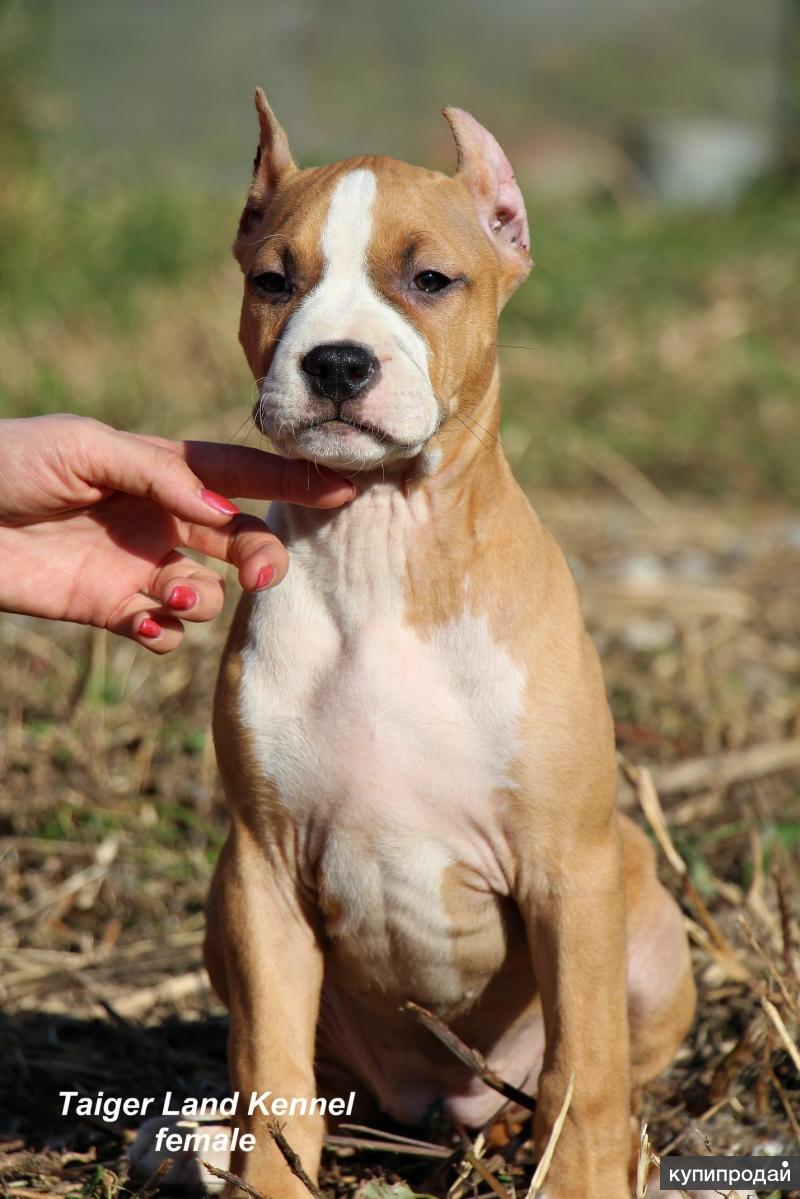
x=273, y=162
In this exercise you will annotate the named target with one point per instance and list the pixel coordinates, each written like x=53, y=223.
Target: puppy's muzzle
x=339, y=370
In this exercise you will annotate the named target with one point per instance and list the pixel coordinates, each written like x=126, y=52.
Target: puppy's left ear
x=501, y=209
x=273, y=163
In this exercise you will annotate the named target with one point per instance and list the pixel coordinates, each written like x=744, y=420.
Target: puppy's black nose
x=339, y=370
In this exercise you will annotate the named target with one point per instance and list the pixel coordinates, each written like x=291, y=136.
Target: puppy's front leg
x=264, y=960
x=575, y=916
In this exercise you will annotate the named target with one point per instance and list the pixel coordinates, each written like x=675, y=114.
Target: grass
x=667, y=337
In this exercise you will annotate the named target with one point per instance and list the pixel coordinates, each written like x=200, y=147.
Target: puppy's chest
x=390, y=750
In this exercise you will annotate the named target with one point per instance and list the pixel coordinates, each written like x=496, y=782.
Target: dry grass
x=111, y=816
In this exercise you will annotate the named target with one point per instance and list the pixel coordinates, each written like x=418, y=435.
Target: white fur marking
x=388, y=748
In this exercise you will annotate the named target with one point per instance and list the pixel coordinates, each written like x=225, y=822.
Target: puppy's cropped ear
x=499, y=203
x=273, y=162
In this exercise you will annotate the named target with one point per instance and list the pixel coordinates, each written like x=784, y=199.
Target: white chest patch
x=388, y=749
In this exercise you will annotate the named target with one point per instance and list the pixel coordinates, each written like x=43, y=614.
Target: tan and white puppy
x=412, y=728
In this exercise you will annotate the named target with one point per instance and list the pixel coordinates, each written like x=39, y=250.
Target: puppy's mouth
x=336, y=422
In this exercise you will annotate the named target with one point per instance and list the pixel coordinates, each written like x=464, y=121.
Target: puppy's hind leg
x=661, y=990
x=213, y=953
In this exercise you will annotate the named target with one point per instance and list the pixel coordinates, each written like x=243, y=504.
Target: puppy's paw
x=200, y=1143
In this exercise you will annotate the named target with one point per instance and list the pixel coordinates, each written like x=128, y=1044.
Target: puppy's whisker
x=470, y=430
x=480, y=426
x=247, y=421
x=262, y=241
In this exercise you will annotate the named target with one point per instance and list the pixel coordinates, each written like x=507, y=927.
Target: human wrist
x=10, y=570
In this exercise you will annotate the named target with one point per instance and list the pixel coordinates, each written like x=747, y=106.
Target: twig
x=234, y=1181
x=292, y=1159
x=168, y=990
x=471, y=1058
x=487, y=1175
x=756, y=901
x=643, y=1162
x=36, y=645
x=780, y=983
x=688, y=599
x=787, y=1107
x=629, y=481
x=151, y=1186
x=408, y=1150
x=782, y=1031
x=26, y=1193
x=460, y=1185
x=789, y=956
x=641, y=780
x=537, y=1182
x=81, y=878
x=415, y=1142
x=720, y=770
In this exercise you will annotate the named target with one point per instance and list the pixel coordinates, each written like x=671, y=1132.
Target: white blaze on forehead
x=348, y=229
x=345, y=305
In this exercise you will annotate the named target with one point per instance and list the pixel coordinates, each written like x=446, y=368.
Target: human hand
x=91, y=520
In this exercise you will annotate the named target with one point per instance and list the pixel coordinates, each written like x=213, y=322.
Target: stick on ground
x=292, y=1159
x=151, y=1186
x=234, y=1181
x=782, y=1031
x=537, y=1182
x=644, y=788
x=471, y=1058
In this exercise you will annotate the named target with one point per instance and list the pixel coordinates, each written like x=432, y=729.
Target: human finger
x=246, y=542
x=157, y=471
x=188, y=589
x=141, y=619
x=253, y=474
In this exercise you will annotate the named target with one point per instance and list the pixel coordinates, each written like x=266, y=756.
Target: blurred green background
x=651, y=138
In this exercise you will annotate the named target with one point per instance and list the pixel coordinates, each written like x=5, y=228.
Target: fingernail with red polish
x=218, y=502
x=149, y=628
x=182, y=598
x=265, y=577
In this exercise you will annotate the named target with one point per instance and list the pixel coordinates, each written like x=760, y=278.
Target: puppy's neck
x=463, y=460
x=444, y=500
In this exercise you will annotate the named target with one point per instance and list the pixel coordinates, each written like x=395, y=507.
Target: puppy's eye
x=431, y=281
x=272, y=282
